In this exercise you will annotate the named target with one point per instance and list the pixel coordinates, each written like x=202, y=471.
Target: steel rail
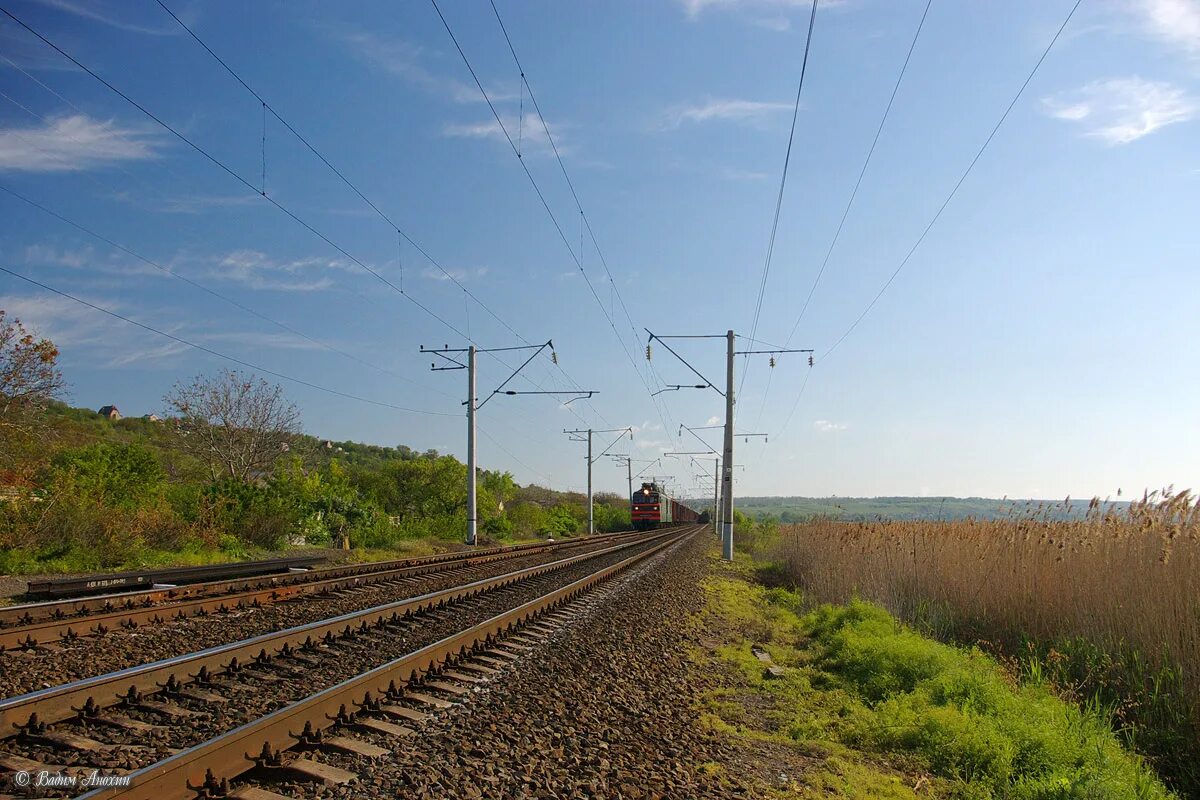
x=68, y=701
x=29, y=635
x=229, y=755
x=78, y=608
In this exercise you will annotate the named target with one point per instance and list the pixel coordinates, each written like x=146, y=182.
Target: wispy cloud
x=527, y=133
x=461, y=275
x=407, y=61
x=827, y=426
x=81, y=331
x=198, y=204
x=85, y=333
x=731, y=174
x=765, y=13
x=1123, y=110
x=1176, y=23
x=722, y=110
x=73, y=143
x=257, y=270
x=111, y=15
x=86, y=258
x=714, y=420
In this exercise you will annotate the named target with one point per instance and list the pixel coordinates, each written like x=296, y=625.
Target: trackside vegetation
x=227, y=473
x=879, y=710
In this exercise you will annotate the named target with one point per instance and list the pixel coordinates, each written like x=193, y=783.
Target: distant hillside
x=796, y=509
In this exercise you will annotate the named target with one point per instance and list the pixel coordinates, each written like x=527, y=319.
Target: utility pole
x=449, y=356
x=727, y=464
x=576, y=436
x=472, y=493
x=717, y=499
x=727, y=457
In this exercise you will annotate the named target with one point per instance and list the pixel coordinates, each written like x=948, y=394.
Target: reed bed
x=1106, y=607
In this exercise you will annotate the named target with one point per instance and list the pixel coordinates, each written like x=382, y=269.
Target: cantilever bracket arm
x=580, y=395
x=496, y=391
x=696, y=372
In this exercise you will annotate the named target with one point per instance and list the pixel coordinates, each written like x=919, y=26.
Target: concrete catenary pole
x=591, y=518
x=629, y=472
x=717, y=498
x=727, y=458
x=472, y=518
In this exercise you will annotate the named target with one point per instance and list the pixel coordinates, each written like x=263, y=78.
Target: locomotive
x=651, y=507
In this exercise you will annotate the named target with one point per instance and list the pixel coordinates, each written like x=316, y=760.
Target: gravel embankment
x=606, y=708
x=248, y=697
x=119, y=648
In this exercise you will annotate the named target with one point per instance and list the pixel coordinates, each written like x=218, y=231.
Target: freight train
x=650, y=507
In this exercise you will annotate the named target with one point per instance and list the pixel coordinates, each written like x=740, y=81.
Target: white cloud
x=405, y=61
x=85, y=334
x=85, y=258
x=196, y=204
x=259, y=271
x=694, y=8
x=730, y=174
x=722, y=110
x=96, y=11
x=713, y=421
x=78, y=330
x=72, y=143
x=826, y=426
x=460, y=275
x=527, y=133
x=1123, y=110
x=1173, y=22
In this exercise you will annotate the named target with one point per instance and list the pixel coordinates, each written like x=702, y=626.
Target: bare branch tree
x=29, y=379
x=235, y=422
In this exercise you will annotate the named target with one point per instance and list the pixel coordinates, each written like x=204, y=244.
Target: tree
x=29, y=379
x=236, y=423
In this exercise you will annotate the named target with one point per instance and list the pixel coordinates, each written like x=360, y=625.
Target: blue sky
x=1041, y=341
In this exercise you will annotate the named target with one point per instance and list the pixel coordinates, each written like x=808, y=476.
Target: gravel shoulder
x=610, y=707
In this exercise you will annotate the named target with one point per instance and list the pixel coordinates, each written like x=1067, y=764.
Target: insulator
x=648, y=352
x=553, y=357
x=810, y=361
x=771, y=361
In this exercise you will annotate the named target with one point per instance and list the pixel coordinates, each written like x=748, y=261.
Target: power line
x=228, y=170
x=862, y=172
x=762, y=285
x=234, y=174
x=960, y=181
x=577, y=257
x=954, y=191
x=217, y=353
x=267, y=107
x=850, y=202
x=212, y=292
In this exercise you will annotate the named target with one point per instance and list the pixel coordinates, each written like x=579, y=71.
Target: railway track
x=24, y=627
x=287, y=695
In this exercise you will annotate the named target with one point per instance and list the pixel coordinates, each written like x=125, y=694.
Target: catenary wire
x=954, y=191
x=787, y=159
x=218, y=354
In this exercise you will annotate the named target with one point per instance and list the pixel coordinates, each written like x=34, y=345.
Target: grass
x=895, y=714
x=1105, y=608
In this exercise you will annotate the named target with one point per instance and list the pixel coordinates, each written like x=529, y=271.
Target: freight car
x=650, y=507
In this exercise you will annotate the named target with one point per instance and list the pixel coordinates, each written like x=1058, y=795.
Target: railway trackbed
x=24, y=627
x=260, y=704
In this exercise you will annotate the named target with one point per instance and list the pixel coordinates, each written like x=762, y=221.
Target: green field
x=798, y=509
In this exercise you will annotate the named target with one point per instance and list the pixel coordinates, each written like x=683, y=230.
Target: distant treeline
x=800, y=509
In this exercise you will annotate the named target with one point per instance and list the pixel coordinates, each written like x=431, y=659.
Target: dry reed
x=1107, y=605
